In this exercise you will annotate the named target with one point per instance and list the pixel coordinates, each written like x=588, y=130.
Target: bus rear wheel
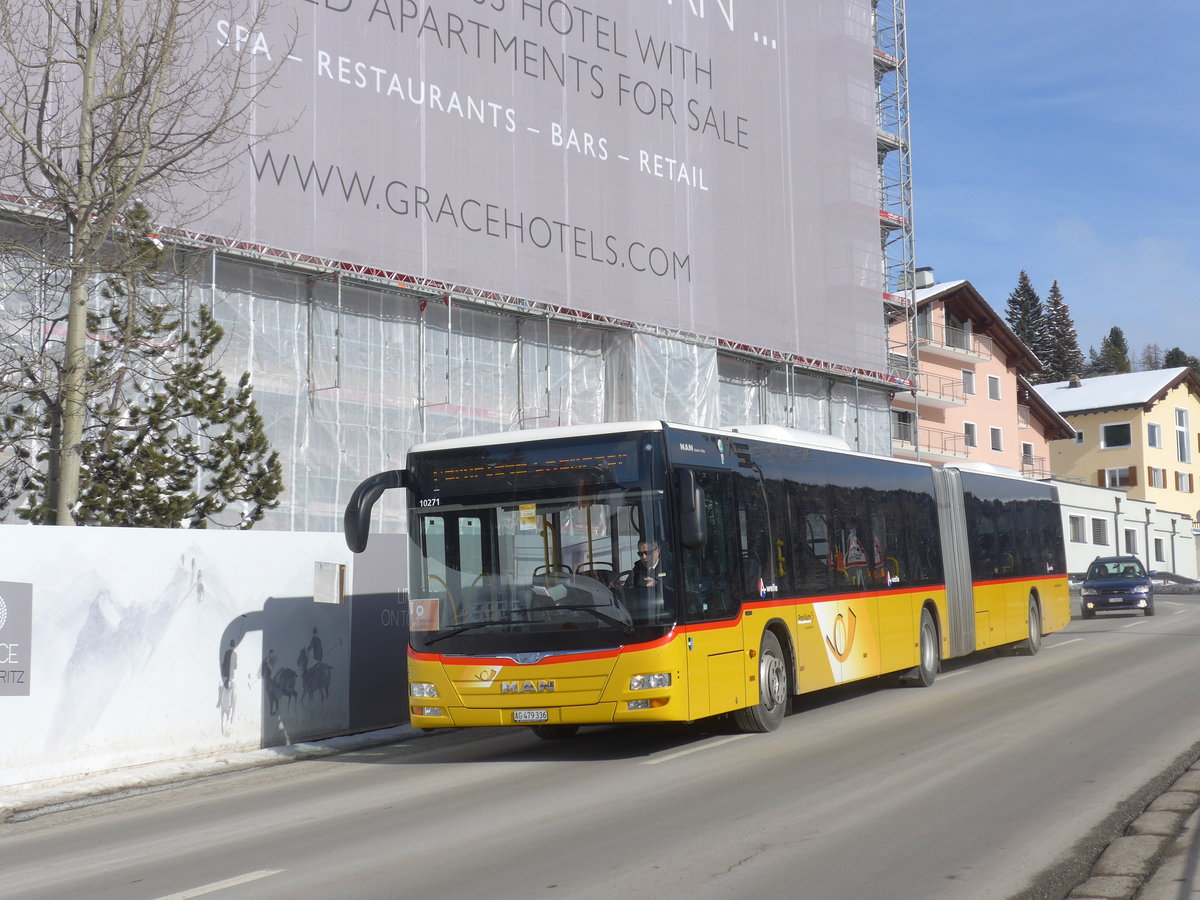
x=1033, y=641
x=773, y=690
x=554, y=732
x=929, y=653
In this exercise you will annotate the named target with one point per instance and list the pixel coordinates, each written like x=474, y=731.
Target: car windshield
x=1116, y=568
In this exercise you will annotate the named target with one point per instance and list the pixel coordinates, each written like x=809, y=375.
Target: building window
x=1131, y=542
x=1026, y=453
x=1158, y=550
x=1183, y=449
x=997, y=438
x=1121, y=477
x=994, y=387
x=1153, y=434
x=1184, y=483
x=1119, y=435
x=1079, y=437
x=969, y=437
x=1100, y=532
x=1158, y=477
x=968, y=381
x=1078, y=529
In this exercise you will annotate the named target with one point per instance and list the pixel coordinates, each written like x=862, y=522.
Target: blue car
x=1116, y=582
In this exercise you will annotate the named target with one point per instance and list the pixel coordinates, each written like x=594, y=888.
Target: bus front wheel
x=773, y=690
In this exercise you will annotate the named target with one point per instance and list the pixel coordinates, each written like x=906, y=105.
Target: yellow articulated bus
x=649, y=572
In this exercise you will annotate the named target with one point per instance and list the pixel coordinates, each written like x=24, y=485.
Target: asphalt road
x=1004, y=779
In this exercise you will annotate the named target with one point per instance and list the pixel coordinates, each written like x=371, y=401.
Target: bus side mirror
x=357, y=521
x=692, y=523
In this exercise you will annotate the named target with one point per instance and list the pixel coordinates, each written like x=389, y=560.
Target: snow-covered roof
x=920, y=295
x=1109, y=391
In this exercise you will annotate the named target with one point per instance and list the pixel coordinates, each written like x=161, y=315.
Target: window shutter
x=1133, y=476
x=1149, y=476
x=1100, y=479
x=1191, y=483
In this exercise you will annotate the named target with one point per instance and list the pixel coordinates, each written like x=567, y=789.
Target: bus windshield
x=577, y=567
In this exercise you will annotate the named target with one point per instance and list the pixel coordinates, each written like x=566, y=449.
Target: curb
x=111, y=785
x=1127, y=863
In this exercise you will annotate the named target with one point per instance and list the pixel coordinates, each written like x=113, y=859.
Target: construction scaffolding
x=895, y=184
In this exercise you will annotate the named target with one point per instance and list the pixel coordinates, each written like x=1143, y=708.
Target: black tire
x=774, y=690
x=1088, y=613
x=1033, y=640
x=930, y=653
x=554, y=732
x=1150, y=608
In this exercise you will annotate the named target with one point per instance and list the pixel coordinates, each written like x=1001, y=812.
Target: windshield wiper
x=470, y=626
x=574, y=607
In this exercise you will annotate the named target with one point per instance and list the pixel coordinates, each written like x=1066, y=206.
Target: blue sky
x=1061, y=137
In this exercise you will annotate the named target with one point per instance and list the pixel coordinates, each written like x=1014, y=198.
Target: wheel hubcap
x=774, y=680
x=927, y=648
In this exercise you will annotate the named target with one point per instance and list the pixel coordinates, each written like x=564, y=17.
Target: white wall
x=128, y=630
x=1119, y=514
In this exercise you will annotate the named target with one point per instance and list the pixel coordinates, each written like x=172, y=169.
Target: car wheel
x=1150, y=608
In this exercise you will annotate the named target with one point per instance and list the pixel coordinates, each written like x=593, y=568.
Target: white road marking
x=707, y=746
x=1062, y=643
x=221, y=885
x=1141, y=621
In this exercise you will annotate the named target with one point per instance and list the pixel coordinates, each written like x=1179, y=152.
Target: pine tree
x=1063, y=358
x=1114, y=353
x=1175, y=357
x=188, y=451
x=1026, y=316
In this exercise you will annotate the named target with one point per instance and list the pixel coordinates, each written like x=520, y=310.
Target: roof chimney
x=1074, y=381
x=924, y=277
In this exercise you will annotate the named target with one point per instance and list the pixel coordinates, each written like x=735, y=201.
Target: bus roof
x=773, y=434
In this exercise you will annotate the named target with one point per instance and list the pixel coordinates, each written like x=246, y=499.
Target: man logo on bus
x=526, y=687
x=842, y=639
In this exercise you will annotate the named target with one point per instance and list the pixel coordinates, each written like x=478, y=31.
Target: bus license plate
x=531, y=715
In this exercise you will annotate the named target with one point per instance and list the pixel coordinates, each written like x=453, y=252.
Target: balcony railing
x=921, y=440
x=945, y=337
x=1035, y=467
x=943, y=387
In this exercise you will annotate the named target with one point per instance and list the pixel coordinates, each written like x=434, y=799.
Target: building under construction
x=494, y=219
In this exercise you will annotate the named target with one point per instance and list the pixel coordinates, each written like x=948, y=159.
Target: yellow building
x=1138, y=432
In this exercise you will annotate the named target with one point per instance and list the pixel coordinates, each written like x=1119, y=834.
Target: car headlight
x=1088, y=592
x=650, y=682
x=1141, y=589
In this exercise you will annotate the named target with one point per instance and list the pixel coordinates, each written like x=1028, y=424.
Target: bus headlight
x=428, y=711
x=422, y=689
x=650, y=682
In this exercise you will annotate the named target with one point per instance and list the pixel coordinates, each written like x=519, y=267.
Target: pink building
x=972, y=400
